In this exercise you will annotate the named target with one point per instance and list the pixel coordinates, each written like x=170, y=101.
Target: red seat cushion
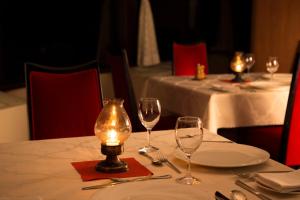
x=64, y=105
x=186, y=58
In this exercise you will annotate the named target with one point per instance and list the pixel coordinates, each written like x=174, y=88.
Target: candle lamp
x=112, y=128
x=238, y=66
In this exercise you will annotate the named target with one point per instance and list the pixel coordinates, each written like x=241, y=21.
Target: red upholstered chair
x=62, y=101
x=283, y=142
x=123, y=88
x=187, y=56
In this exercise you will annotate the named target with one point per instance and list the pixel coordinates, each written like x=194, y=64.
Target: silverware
x=191, y=136
x=237, y=195
x=221, y=141
x=154, y=161
x=252, y=190
x=120, y=181
x=166, y=176
x=163, y=159
x=220, y=196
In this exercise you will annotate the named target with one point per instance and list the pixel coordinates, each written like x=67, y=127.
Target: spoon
x=154, y=161
x=238, y=195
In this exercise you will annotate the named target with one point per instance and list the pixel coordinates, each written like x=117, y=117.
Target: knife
x=220, y=196
x=252, y=190
x=113, y=183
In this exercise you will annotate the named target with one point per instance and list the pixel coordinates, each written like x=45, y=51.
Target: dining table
x=218, y=101
x=42, y=169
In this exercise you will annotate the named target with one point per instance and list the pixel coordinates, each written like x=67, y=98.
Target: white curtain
x=148, y=53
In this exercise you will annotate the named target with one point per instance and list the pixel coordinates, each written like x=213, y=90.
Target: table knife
x=252, y=190
x=220, y=196
x=145, y=178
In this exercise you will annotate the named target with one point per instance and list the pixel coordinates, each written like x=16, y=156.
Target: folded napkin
x=87, y=170
x=282, y=182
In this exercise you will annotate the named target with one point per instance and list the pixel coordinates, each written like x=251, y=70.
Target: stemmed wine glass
x=249, y=61
x=272, y=65
x=149, y=110
x=188, y=135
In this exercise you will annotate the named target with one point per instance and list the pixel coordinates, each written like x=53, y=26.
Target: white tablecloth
x=13, y=118
x=42, y=170
x=233, y=107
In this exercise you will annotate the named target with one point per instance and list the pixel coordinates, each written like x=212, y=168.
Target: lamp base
x=112, y=163
x=238, y=78
x=114, y=167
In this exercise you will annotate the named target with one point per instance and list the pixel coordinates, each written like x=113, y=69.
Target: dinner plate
x=149, y=190
x=263, y=186
x=226, y=155
x=269, y=85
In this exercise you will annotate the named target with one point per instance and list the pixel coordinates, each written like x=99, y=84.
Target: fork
x=163, y=159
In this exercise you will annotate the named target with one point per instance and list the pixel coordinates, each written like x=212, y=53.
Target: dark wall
x=46, y=32
x=57, y=33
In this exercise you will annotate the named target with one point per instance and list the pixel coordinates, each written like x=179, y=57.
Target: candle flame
x=112, y=138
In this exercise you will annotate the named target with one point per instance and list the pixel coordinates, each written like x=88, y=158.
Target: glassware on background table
x=188, y=135
x=149, y=111
x=272, y=65
x=249, y=61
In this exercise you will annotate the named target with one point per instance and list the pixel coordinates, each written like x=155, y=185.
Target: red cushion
x=186, y=58
x=293, y=146
x=64, y=105
x=264, y=137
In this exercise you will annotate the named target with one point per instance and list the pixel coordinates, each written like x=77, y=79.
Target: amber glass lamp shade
x=238, y=66
x=112, y=128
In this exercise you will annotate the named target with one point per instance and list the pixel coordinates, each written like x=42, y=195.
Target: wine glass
x=249, y=61
x=149, y=110
x=188, y=135
x=272, y=65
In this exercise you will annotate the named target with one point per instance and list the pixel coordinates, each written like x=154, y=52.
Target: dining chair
x=122, y=84
x=62, y=101
x=187, y=56
x=281, y=141
x=123, y=88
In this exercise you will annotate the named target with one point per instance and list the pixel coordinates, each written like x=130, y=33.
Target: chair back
x=290, y=148
x=122, y=83
x=187, y=56
x=62, y=101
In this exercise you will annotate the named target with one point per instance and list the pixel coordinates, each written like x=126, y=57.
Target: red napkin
x=87, y=170
x=230, y=80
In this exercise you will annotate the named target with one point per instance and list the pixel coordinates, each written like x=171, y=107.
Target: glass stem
x=272, y=76
x=148, y=137
x=188, y=173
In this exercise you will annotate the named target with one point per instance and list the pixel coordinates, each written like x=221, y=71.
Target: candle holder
x=112, y=128
x=238, y=66
x=112, y=163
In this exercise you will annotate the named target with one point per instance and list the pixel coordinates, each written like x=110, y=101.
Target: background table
x=42, y=169
x=235, y=107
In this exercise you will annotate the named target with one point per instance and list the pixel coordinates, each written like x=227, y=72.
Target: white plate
x=149, y=190
x=273, y=190
x=226, y=155
x=269, y=85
